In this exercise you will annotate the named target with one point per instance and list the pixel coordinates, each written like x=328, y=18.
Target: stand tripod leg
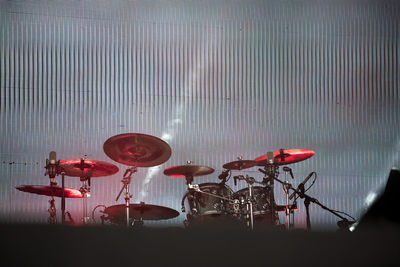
x=307, y=204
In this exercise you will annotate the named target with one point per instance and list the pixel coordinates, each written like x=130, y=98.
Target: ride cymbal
x=239, y=164
x=140, y=211
x=52, y=191
x=286, y=156
x=188, y=171
x=135, y=149
x=87, y=168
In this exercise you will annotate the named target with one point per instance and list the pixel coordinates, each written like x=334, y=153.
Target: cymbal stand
x=271, y=171
x=85, y=189
x=126, y=180
x=286, y=188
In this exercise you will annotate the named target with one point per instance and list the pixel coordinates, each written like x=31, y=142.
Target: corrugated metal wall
x=215, y=79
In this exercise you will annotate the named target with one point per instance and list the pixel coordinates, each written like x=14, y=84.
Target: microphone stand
x=63, y=197
x=307, y=200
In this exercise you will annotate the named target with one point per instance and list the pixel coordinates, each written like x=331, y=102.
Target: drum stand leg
x=84, y=191
x=249, y=205
x=287, y=209
x=126, y=180
x=250, y=222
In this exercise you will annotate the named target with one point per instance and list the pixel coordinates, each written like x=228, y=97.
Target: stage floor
x=57, y=245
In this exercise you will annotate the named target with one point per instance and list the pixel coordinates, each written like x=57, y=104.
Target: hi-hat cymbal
x=286, y=156
x=135, y=149
x=188, y=171
x=52, y=191
x=140, y=211
x=87, y=168
x=239, y=164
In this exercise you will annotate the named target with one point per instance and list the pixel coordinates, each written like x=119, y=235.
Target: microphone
x=223, y=175
x=270, y=157
x=302, y=184
x=51, y=167
x=287, y=169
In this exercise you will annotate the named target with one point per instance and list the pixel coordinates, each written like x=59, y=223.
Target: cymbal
x=140, y=211
x=135, y=149
x=52, y=191
x=87, y=168
x=287, y=157
x=239, y=164
x=188, y=171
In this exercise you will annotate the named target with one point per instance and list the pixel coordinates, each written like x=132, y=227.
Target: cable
x=94, y=211
x=338, y=211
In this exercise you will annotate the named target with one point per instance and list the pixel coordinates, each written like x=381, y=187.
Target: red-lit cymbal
x=135, y=149
x=52, y=191
x=87, y=168
x=239, y=164
x=188, y=171
x=289, y=156
x=140, y=211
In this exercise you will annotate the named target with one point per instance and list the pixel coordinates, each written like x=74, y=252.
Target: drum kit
x=205, y=204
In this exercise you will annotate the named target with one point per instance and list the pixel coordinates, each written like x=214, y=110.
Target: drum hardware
x=271, y=170
x=136, y=150
x=240, y=164
x=286, y=188
x=286, y=156
x=249, y=203
x=53, y=169
x=308, y=199
x=86, y=169
x=196, y=188
x=85, y=190
x=138, y=213
x=188, y=171
x=126, y=180
x=52, y=191
x=52, y=210
x=207, y=203
x=71, y=221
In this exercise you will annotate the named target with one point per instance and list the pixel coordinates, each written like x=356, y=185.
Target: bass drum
x=261, y=205
x=203, y=209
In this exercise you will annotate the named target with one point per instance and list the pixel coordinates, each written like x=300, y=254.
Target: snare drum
x=203, y=208
x=261, y=204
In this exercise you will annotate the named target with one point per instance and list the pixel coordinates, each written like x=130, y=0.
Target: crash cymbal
x=52, y=191
x=87, y=168
x=188, y=171
x=286, y=156
x=239, y=164
x=140, y=211
x=135, y=149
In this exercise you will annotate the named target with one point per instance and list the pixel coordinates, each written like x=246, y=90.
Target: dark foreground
x=56, y=245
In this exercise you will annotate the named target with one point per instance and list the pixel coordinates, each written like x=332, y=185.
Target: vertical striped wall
x=215, y=79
